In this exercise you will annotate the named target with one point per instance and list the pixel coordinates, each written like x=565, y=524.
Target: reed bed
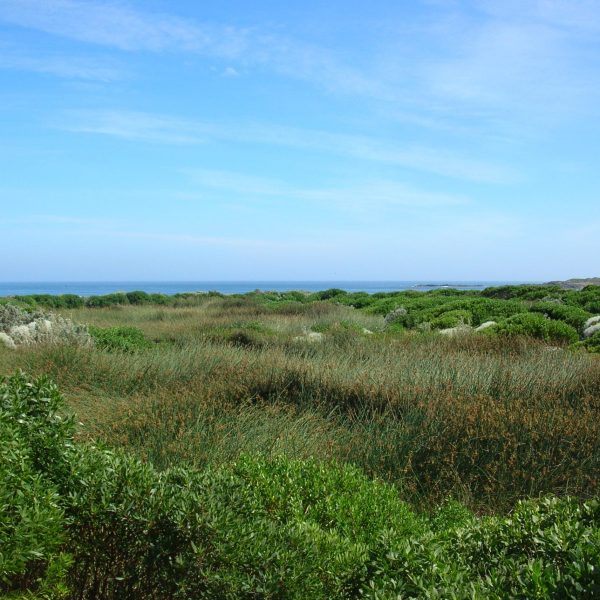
x=487, y=420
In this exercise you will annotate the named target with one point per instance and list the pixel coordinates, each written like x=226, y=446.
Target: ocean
x=96, y=288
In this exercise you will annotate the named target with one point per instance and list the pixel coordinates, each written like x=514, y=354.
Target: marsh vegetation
x=223, y=450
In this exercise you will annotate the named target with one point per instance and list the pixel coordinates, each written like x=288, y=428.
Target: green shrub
x=524, y=292
x=592, y=344
x=536, y=326
x=572, y=315
x=244, y=339
x=123, y=339
x=295, y=296
x=547, y=548
x=138, y=297
x=452, y=318
x=51, y=301
x=258, y=528
x=117, y=299
x=356, y=299
x=330, y=293
x=32, y=524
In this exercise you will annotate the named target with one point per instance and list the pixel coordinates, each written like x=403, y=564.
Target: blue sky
x=380, y=140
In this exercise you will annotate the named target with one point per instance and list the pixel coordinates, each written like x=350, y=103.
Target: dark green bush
x=123, y=339
x=592, y=344
x=524, y=292
x=536, y=326
x=32, y=524
x=245, y=339
x=572, y=315
x=356, y=299
x=138, y=297
x=330, y=293
x=548, y=548
x=107, y=300
x=294, y=296
x=452, y=318
x=51, y=301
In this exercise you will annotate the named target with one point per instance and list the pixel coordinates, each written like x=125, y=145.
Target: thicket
x=90, y=523
x=537, y=326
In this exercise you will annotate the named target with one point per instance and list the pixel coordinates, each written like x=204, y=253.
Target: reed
x=486, y=419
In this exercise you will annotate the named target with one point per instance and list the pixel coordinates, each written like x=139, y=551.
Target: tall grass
x=486, y=419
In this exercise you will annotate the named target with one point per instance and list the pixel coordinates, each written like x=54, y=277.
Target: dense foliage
x=565, y=311
x=124, y=339
x=91, y=523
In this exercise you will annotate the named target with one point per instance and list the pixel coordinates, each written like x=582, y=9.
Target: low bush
x=31, y=516
x=26, y=327
x=258, y=528
x=572, y=315
x=123, y=339
x=51, y=301
x=396, y=316
x=452, y=318
x=245, y=339
x=536, y=326
x=592, y=344
x=139, y=297
x=524, y=292
x=116, y=299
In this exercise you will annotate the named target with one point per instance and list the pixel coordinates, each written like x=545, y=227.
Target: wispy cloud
x=359, y=196
x=508, y=60
x=124, y=28
x=107, y=24
x=217, y=241
x=582, y=16
x=69, y=67
x=120, y=229
x=164, y=129
x=64, y=222
x=486, y=61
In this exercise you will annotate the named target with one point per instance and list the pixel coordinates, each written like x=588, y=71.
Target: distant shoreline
x=97, y=288
x=169, y=288
x=575, y=283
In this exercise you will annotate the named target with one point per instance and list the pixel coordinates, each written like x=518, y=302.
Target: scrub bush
x=107, y=300
x=523, y=292
x=123, y=339
x=536, y=326
x=592, y=344
x=452, y=318
x=257, y=528
x=31, y=516
x=572, y=315
x=51, y=301
x=396, y=316
x=23, y=327
x=138, y=297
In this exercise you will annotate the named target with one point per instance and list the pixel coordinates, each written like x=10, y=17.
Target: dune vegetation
x=293, y=445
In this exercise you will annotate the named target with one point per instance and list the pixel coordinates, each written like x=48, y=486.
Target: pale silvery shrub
x=458, y=330
x=11, y=316
x=592, y=321
x=6, y=340
x=394, y=315
x=20, y=328
x=591, y=330
x=486, y=325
